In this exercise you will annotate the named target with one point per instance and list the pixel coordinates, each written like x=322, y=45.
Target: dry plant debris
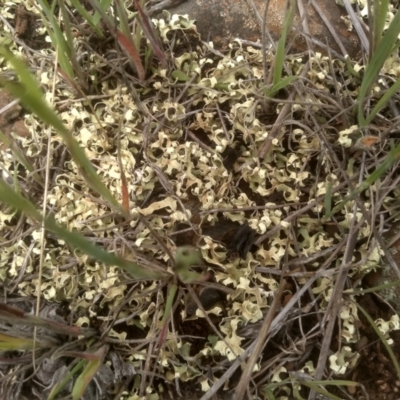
x=189, y=139
x=223, y=21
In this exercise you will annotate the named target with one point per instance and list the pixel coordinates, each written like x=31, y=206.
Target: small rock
x=223, y=20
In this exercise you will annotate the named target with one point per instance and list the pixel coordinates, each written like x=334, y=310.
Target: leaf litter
x=264, y=218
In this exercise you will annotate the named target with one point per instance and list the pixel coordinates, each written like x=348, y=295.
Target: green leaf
x=180, y=76
x=186, y=257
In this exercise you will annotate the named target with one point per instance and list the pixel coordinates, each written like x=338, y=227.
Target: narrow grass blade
x=123, y=19
x=384, y=341
x=70, y=42
x=380, y=9
x=383, y=101
x=315, y=385
x=31, y=96
x=88, y=373
x=283, y=83
x=130, y=48
x=150, y=32
x=168, y=304
x=57, y=388
x=85, y=355
x=280, y=52
x=17, y=316
x=271, y=387
x=91, y=20
x=103, y=5
x=386, y=47
x=74, y=239
x=373, y=289
x=123, y=39
x=10, y=343
x=57, y=37
x=20, y=156
x=167, y=313
x=14, y=199
x=78, y=241
x=124, y=183
x=392, y=157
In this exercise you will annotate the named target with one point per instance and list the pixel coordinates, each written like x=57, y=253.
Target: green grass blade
x=103, y=5
x=383, y=101
x=383, y=340
x=380, y=9
x=93, y=21
x=168, y=304
x=77, y=241
x=280, y=52
x=126, y=40
x=70, y=43
x=319, y=390
x=282, y=84
x=372, y=70
x=57, y=388
x=101, y=9
x=123, y=20
x=10, y=343
x=57, y=37
x=151, y=34
x=14, y=199
x=74, y=239
x=392, y=157
x=20, y=156
x=28, y=91
x=88, y=373
x=373, y=289
x=333, y=383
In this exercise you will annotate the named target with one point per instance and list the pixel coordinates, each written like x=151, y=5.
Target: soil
x=323, y=21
